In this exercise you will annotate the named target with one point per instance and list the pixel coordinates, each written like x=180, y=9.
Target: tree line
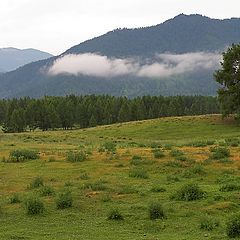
x=18, y=115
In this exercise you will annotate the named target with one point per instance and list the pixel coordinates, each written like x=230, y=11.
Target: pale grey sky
x=56, y=25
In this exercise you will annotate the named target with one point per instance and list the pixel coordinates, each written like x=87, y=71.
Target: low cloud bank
x=163, y=65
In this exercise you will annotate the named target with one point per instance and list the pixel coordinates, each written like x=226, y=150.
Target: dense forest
x=18, y=115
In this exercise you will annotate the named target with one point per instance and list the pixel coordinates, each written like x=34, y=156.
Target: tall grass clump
x=156, y=211
x=23, y=155
x=233, y=226
x=76, y=156
x=138, y=173
x=36, y=183
x=188, y=192
x=158, y=153
x=220, y=152
x=33, y=205
x=14, y=199
x=115, y=215
x=64, y=200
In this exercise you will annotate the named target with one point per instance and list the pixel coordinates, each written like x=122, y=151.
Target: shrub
x=114, y=214
x=23, y=155
x=46, y=191
x=138, y=173
x=34, y=205
x=64, y=200
x=156, y=211
x=208, y=223
x=233, y=226
x=84, y=176
x=76, y=156
x=176, y=153
x=228, y=187
x=158, y=189
x=14, y=198
x=96, y=186
x=36, y=182
x=220, y=152
x=110, y=147
x=189, y=192
x=158, y=153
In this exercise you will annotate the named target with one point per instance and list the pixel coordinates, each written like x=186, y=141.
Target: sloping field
x=122, y=171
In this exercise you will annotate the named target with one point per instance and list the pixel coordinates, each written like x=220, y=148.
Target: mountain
x=178, y=56
x=12, y=58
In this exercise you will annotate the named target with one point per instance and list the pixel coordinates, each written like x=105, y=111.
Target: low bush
x=233, y=226
x=208, y=223
x=158, y=189
x=176, y=153
x=110, y=147
x=189, y=192
x=96, y=186
x=220, y=152
x=156, y=211
x=14, y=198
x=46, y=191
x=229, y=187
x=36, y=182
x=76, y=156
x=158, y=153
x=138, y=173
x=23, y=155
x=34, y=205
x=64, y=200
x=115, y=215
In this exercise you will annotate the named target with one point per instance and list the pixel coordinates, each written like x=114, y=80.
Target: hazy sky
x=56, y=25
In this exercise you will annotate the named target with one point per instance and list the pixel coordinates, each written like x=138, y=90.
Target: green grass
x=126, y=179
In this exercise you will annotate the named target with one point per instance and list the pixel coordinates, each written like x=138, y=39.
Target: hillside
x=177, y=57
x=13, y=58
x=119, y=175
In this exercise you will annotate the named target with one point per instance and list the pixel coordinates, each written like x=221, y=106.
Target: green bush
x=176, y=153
x=220, y=152
x=208, y=223
x=96, y=186
x=110, y=147
x=64, y=200
x=233, y=226
x=156, y=211
x=158, y=189
x=158, y=153
x=36, y=182
x=23, y=155
x=115, y=215
x=46, y=191
x=229, y=187
x=14, y=198
x=189, y=192
x=34, y=205
x=138, y=173
x=76, y=156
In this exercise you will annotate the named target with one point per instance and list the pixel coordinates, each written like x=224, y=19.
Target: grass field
x=127, y=168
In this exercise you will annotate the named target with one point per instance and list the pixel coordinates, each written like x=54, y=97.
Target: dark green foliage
x=110, y=146
x=233, y=226
x=23, y=155
x=64, y=200
x=229, y=78
x=176, y=153
x=138, y=173
x=34, y=205
x=208, y=223
x=189, y=192
x=14, y=198
x=158, y=153
x=46, y=191
x=156, y=211
x=157, y=188
x=96, y=186
x=76, y=156
x=87, y=111
x=37, y=182
x=115, y=215
x=229, y=187
x=220, y=152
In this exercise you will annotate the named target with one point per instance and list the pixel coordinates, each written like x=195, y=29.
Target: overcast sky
x=56, y=25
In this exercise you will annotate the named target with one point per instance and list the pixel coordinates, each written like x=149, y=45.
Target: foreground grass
x=105, y=180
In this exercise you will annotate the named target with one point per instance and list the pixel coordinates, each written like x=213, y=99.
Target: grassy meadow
x=119, y=178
